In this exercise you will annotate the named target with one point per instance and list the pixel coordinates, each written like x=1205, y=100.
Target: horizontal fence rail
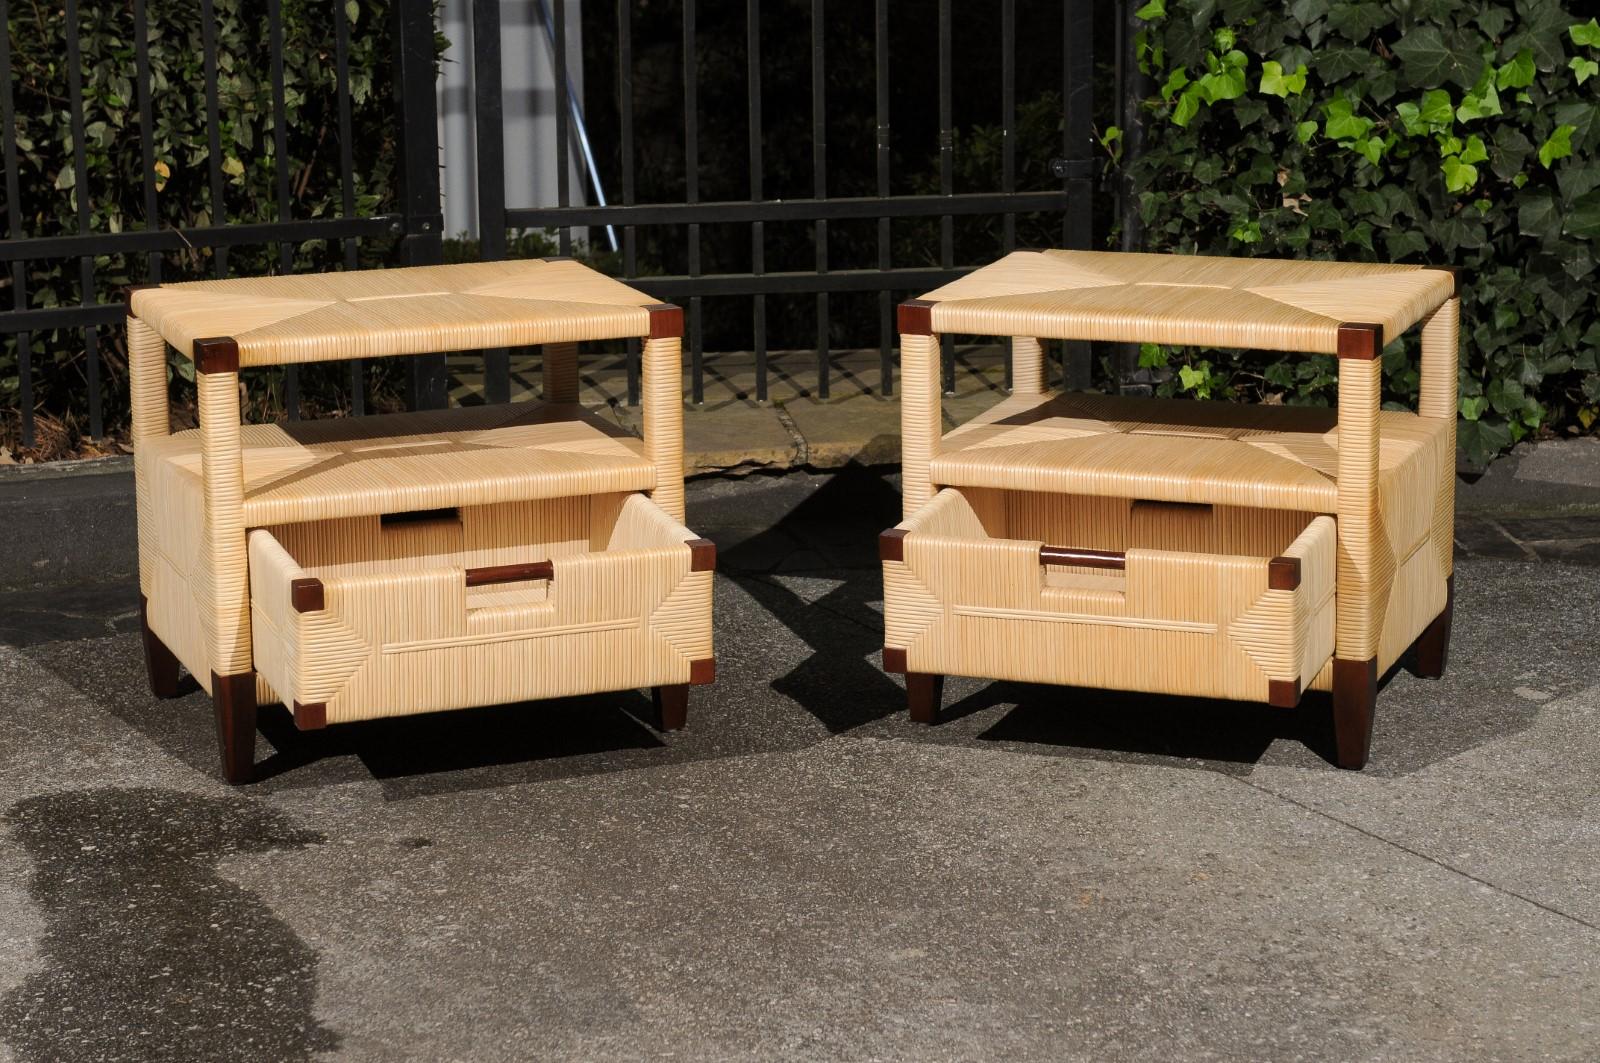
x=206, y=233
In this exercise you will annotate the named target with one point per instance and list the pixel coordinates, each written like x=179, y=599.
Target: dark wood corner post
x=924, y=690
x=160, y=663
x=1355, y=696
x=235, y=699
x=1432, y=648
x=671, y=701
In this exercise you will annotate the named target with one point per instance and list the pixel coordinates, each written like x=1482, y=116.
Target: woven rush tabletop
x=1174, y=450
x=1274, y=304
x=414, y=310
x=390, y=463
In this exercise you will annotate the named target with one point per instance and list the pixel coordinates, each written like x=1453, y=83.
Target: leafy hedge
x=1442, y=131
x=48, y=195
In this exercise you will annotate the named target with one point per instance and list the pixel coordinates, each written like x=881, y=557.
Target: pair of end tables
x=408, y=563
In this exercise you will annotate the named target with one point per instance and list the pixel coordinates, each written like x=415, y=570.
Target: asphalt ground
x=804, y=874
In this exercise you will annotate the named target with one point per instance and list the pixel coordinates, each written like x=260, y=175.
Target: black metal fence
x=415, y=223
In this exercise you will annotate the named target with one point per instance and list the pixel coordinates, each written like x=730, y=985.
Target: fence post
x=417, y=125
x=1077, y=163
x=1133, y=87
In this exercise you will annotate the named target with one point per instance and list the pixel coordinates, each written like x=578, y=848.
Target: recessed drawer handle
x=478, y=577
x=1066, y=555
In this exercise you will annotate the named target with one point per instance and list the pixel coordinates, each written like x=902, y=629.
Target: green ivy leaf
x=1342, y=123
x=1274, y=82
x=1587, y=33
x=1475, y=150
x=1583, y=69
x=1304, y=131
x=1188, y=106
x=1518, y=73
x=1583, y=220
x=1558, y=146
x=1247, y=232
x=1458, y=176
x=1175, y=81
x=352, y=11
x=1472, y=407
x=1429, y=57
x=1152, y=356
x=1437, y=111
x=1474, y=106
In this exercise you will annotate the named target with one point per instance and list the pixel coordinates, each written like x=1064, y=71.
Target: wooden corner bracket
x=666, y=321
x=313, y=717
x=1360, y=339
x=1283, y=693
x=702, y=671
x=306, y=595
x=702, y=555
x=894, y=659
x=1283, y=573
x=217, y=354
x=915, y=317
x=892, y=545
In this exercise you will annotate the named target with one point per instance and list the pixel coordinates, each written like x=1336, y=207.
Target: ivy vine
x=1451, y=132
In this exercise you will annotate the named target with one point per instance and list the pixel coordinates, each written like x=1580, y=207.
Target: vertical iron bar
x=80, y=193
x=1133, y=91
x=1077, y=136
x=691, y=194
x=758, y=264
x=630, y=264
x=418, y=148
x=563, y=190
x=19, y=270
x=347, y=171
x=219, y=209
x=280, y=166
x=488, y=112
x=947, y=180
x=147, y=131
x=886, y=334
x=819, y=179
x=1008, y=133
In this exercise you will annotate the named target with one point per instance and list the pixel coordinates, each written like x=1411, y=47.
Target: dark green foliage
x=115, y=167
x=1439, y=131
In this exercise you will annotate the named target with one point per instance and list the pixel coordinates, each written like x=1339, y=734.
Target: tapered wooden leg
x=672, y=706
x=1355, y=695
x=924, y=693
x=159, y=663
x=1433, y=645
x=234, y=697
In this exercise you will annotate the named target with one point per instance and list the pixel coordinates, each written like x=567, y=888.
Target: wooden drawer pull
x=478, y=577
x=1066, y=555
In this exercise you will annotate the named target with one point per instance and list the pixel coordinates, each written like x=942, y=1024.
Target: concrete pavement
x=803, y=874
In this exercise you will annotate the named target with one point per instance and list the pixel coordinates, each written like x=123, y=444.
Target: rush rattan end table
x=1171, y=546
x=377, y=566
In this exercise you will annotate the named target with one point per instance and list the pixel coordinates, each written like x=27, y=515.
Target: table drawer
x=1223, y=602
x=381, y=616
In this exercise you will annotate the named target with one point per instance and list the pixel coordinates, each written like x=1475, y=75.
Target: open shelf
x=1174, y=450
x=392, y=463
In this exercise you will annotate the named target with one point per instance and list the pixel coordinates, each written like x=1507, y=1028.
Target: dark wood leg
x=1433, y=645
x=234, y=697
x=924, y=693
x=159, y=663
x=672, y=706
x=1355, y=694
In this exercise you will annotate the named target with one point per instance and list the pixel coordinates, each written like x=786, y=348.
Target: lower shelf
x=1166, y=598
x=358, y=618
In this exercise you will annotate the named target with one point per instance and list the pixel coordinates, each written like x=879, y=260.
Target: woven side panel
x=1086, y=522
x=1366, y=563
x=661, y=384
x=921, y=421
x=1419, y=596
x=524, y=531
x=1027, y=366
x=147, y=386
x=559, y=367
x=1304, y=615
x=1171, y=585
x=909, y=608
x=640, y=525
x=274, y=636
x=1441, y=352
x=223, y=549
x=683, y=618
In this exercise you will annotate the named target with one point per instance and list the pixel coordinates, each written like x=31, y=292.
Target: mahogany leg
x=234, y=697
x=672, y=706
x=159, y=663
x=1433, y=645
x=1355, y=695
x=924, y=693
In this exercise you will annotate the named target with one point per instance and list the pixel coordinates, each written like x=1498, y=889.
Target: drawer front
x=636, y=613
x=959, y=602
